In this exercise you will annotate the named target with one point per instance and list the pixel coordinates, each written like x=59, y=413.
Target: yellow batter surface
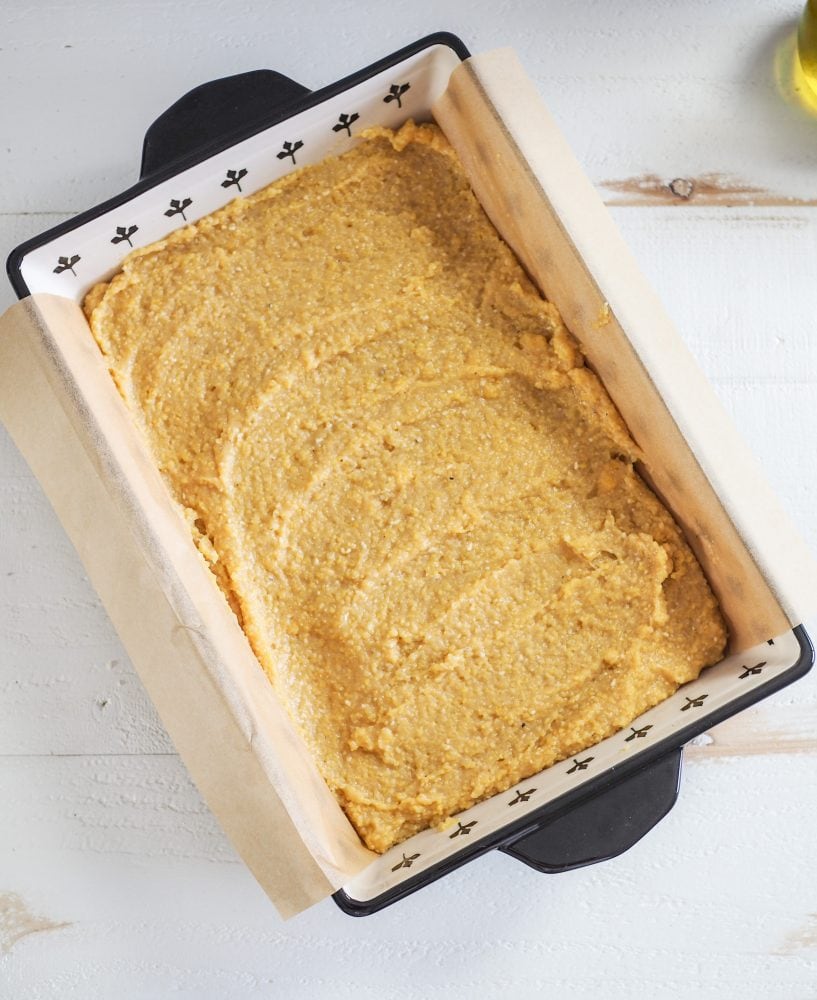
x=418, y=500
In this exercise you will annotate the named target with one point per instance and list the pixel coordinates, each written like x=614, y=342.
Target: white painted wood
x=157, y=906
x=101, y=829
x=669, y=88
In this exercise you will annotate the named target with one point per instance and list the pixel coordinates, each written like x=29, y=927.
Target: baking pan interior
x=69, y=260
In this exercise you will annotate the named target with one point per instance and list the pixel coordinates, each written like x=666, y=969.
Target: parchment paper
x=63, y=411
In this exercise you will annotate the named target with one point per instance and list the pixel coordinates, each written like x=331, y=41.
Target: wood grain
x=697, y=908
x=705, y=189
x=804, y=937
x=17, y=921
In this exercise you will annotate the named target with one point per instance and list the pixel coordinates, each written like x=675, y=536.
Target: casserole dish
x=236, y=136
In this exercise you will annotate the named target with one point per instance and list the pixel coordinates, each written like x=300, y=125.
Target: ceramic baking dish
x=237, y=135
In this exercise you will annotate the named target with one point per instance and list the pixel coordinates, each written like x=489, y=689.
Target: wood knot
x=681, y=187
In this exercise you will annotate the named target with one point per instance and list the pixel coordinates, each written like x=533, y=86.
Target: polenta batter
x=417, y=499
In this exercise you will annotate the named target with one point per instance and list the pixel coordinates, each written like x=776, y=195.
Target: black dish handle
x=211, y=113
x=606, y=824
x=609, y=822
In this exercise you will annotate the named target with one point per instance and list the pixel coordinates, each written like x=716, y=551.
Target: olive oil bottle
x=807, y=43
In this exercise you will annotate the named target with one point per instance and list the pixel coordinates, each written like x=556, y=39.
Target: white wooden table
x=115, y=881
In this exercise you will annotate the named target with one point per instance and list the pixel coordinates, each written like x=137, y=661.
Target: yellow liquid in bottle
x=807, y=44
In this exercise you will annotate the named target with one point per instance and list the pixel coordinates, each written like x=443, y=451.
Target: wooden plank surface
x=665, y=90
x=114, y=879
